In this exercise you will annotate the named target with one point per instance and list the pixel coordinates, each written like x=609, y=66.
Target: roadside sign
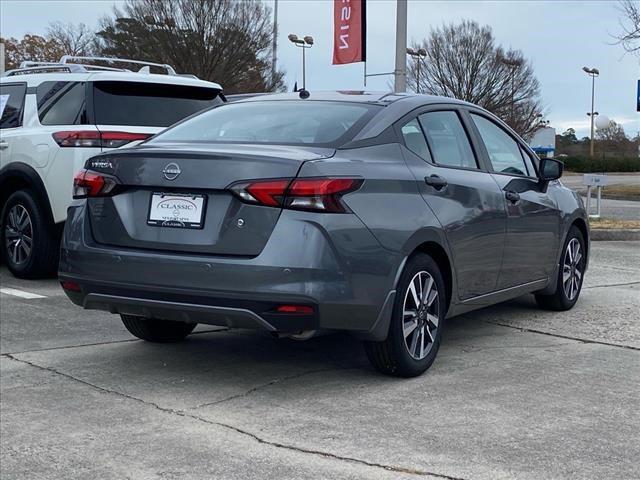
x=595, y=180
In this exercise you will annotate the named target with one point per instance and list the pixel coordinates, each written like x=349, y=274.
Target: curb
x=615, y=234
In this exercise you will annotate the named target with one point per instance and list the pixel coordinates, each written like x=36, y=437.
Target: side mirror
x=550, y=169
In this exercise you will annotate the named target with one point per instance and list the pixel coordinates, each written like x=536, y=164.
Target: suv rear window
x=148, y=104
x=283, y=122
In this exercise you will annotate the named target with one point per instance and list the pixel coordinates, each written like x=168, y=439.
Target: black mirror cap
x=550, y=169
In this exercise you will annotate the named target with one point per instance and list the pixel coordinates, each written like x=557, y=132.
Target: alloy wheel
x=420, y=315
x=18, y=235
x=572, y=269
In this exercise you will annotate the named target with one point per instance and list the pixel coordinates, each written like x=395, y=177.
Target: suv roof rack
x=66, y=58
x=68, y=64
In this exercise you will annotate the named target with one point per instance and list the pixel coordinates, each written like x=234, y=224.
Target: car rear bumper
x=332, y=264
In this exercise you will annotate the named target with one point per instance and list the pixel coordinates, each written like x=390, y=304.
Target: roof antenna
x=304, y=94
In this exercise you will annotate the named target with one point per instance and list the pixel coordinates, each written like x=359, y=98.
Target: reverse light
x=95, y=139
x=92, y=184
x=314, y=194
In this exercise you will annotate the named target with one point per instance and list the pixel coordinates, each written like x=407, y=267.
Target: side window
x=11, y=105
x=414, y=139
x=61, y=103
x=504, y=151
x=448, y=140
x=530, y=162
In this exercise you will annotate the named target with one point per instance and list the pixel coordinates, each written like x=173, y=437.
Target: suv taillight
x=92, y=184
x=93, y=138
x=314, y=194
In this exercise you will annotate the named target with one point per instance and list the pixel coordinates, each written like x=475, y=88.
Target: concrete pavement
x=516, y=392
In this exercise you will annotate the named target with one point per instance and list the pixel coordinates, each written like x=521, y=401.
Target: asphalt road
x=516, y=393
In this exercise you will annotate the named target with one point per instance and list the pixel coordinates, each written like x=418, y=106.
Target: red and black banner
x=349, y=31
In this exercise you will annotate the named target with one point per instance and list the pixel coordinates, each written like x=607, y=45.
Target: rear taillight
x=92, y=184
x=315, y=194
x=93, y=138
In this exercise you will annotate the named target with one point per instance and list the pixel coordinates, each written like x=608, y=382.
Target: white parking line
x=20, y=293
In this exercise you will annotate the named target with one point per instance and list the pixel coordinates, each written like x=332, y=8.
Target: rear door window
x=447, y=139
x=504, y=152
x=148, y=104
x=11, y=105
x=414, y=139
x=61, y=103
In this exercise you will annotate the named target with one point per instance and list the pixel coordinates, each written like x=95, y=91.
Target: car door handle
x=513, y=197
x=436, y=181
x=3, y=145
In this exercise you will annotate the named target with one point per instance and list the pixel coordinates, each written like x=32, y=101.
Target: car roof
x=357, y=96
x=35, y=79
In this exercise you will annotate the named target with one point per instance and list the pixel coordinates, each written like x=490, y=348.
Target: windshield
x=280, y=122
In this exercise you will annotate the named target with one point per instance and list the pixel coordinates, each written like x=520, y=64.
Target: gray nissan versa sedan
x=378, y=214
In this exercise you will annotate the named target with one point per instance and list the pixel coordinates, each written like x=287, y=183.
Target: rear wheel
x=29, y=242
x=154, y=330
x=416, y=325
x=570, y=275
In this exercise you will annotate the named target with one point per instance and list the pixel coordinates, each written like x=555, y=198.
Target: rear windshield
x=280, y=122
x=148, y=104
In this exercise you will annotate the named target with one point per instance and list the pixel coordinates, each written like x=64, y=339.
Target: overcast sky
x=559, y=37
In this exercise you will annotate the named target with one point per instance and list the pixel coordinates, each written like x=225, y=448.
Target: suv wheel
x=155, y=330
x=570, y=275
x=29, y=243
x=416, y=325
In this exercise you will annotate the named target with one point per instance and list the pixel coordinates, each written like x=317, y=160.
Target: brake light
x=95, y=139
x=314, y=194
x=92, y=184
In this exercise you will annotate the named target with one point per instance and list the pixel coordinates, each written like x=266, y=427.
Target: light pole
x=417, y=55
x=274, y=47
x=593, y=73
x=400, y=72
x=513, y=64
x=304, y=43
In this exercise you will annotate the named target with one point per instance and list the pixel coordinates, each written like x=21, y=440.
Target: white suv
x=53, y=117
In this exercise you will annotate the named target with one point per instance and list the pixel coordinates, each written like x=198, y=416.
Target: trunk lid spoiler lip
x=219, y=150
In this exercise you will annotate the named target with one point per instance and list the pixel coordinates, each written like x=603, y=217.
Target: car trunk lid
x=159, y=182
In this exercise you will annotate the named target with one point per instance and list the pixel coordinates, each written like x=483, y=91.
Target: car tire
x=155, y=330
x=570, y=274
x=414, y=334
x=29, y=243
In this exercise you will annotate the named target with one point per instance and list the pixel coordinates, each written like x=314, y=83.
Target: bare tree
x=226, y=41
x=72, y=39
x=629, y=36
x=463, y=61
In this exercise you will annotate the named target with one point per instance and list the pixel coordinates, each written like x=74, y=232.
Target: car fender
x=21, y=175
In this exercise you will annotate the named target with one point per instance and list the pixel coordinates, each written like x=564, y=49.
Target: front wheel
x=416, y=324
x=570, y=275
x=158, y=331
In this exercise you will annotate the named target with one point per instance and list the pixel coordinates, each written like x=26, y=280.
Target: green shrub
x=598, y=165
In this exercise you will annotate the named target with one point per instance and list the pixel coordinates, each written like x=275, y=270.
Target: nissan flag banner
x=349, y=31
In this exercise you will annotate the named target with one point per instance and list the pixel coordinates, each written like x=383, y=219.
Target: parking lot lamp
x=513, y=64
x=304, y=43
x=417, y=55
x=593, y=73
